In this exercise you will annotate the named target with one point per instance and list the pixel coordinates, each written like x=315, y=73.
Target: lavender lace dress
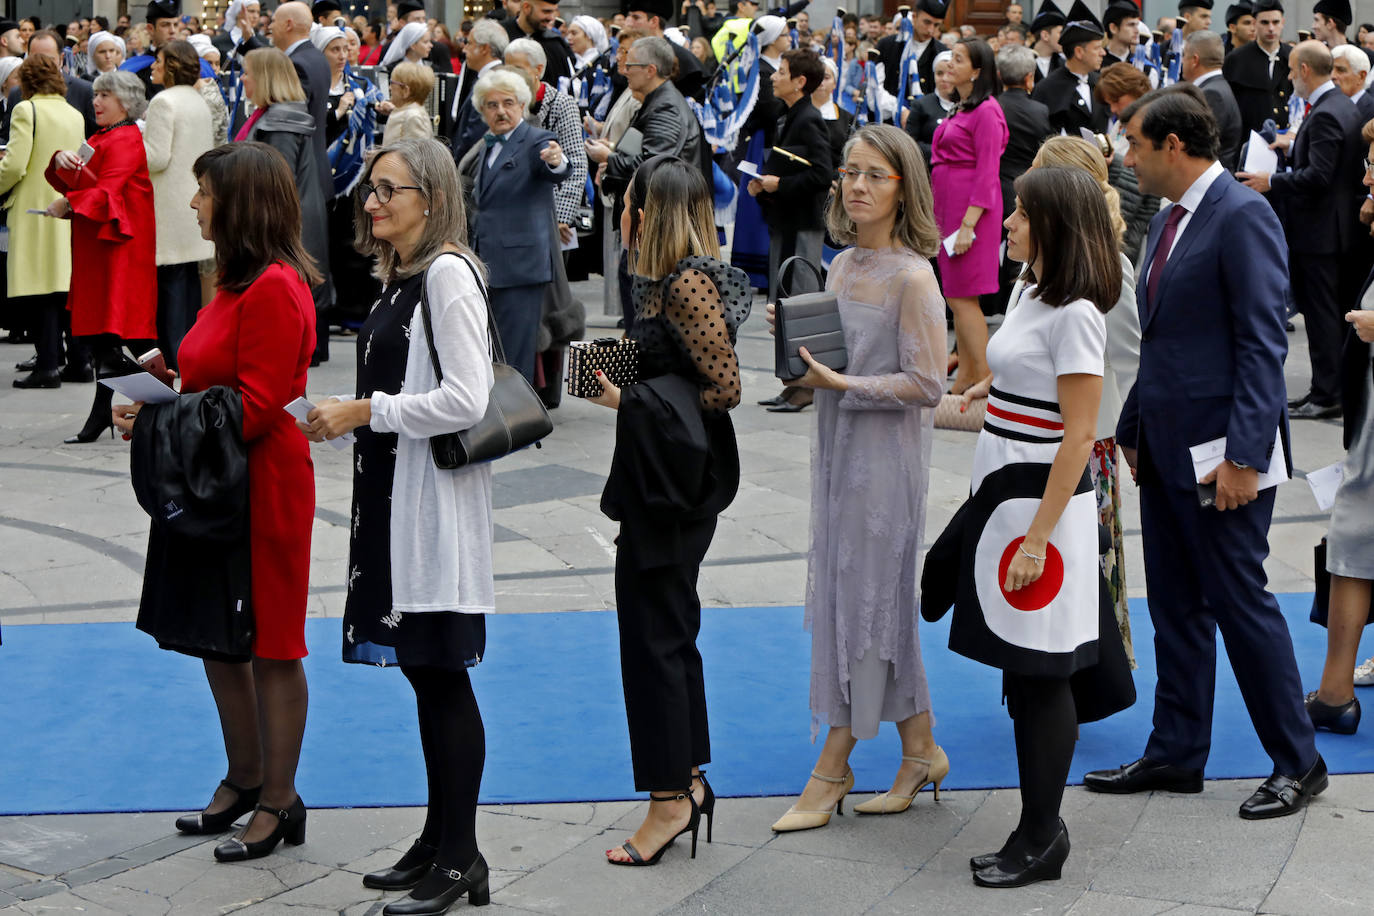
x=870, y=463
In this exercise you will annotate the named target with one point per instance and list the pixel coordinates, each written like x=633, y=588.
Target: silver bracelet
x=1028, y=555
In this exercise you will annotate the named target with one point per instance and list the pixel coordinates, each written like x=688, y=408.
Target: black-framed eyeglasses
x=384, y=192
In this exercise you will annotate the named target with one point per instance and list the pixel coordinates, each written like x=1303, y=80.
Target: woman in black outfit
x=675, y=468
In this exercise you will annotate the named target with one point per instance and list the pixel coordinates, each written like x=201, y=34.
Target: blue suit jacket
x=515, y=209
x=1213, y=344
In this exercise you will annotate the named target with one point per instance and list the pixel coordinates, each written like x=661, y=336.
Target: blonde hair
x=679, y=217
x=274, y=78
x=417, y=78
x=914, y=227
x=1077, y=153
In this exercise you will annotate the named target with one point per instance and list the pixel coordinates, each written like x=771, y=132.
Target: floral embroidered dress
x=870, y=463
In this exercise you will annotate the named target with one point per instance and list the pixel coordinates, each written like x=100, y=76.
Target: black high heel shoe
x=407, y=872
x=989, y=859
x=1019, y=868
x=693, y=823
x=708, y=803
x=451, y=884
x=90, y=432
x=1343, y=719
x=98, y=420
x=290, y=827
x=220, y=821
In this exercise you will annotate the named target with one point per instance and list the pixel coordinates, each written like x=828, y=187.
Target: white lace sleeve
x=921, y=352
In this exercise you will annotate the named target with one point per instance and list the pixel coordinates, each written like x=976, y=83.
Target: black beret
x=164, y=9
x=1334, y=9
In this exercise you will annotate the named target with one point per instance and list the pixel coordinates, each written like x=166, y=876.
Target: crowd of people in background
x=1082, y=176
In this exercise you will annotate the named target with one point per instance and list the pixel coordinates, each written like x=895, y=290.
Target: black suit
x=795, y=211
x=1028, y=124
x=1356, y=366
x=1068, y=110
x=79, y=96
x=926, y=115
x=1056, y=61
x=890, y=56
x=1319, y=203
x=838, y=131
x=1259, y=95
x=313, y=71
x=1223, y=104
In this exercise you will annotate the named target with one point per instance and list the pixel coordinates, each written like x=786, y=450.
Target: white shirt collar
x=1192, y=198
x=774, y=62
x=1320, y=91
x=829, y=112
x=1357, y=96
x=1206, y=76
x=295, y=45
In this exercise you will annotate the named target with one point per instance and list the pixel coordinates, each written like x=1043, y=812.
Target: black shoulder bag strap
x=498, y=353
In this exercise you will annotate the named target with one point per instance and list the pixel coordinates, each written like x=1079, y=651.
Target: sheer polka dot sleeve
x=694, y=307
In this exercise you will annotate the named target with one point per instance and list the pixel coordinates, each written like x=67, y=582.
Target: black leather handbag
x=515, y=416
x=809, y=319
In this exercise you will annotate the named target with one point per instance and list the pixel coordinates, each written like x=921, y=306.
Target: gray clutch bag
x=811, y=320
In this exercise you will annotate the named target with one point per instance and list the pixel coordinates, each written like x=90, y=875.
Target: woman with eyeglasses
x=870, y=471
x=419, y=567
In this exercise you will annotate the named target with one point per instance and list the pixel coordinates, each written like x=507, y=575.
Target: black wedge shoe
x=1027, y=866
x=989, y=859
x=407, y=871
x=220, y=821
x=290, y=827
x=708, y=802
x=451, y=884
x=693, y=824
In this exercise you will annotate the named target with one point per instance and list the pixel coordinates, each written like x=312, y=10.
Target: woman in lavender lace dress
x=869, y=473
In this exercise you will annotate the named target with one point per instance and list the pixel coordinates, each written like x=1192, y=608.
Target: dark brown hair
x=1068, y=206
x=1121, y=79
x=805, y=63
x=180, y=63
x=257, y=214
x=40, y=75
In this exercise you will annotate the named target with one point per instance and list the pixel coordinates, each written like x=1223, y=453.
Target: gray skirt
x=1350, y=540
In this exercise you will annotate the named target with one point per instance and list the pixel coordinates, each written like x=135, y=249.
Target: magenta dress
x=965, y=157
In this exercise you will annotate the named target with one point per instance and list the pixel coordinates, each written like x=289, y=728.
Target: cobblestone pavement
x=71, y=545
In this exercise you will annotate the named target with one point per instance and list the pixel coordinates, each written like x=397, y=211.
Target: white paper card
x=1209, y=455
x=300, y=409
x=949, y=242
x=1087, y=134
x=1259, y=157
x=748, y=168
x=141, y=386
x=1324, y=484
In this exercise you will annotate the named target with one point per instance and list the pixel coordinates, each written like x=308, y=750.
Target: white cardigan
x=441, y=521
x=177, y=129
x=1122, y=359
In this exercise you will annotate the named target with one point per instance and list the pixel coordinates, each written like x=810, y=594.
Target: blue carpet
x=94, y=717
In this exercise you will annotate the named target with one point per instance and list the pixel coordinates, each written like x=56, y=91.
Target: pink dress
x=965, y=157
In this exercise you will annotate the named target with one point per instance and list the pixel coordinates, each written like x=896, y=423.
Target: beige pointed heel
x=937, y=769
x=810, y=820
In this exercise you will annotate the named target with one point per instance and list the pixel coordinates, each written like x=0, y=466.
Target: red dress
x=259, y=342
x=114, y=237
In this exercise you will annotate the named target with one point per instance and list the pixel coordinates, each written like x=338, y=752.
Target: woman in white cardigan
x=420, y=572
x=178, y=128
x=1121, y=363
x=411, y=84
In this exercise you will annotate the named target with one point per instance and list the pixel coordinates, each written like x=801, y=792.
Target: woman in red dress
x=256, y=336
x=109, y=200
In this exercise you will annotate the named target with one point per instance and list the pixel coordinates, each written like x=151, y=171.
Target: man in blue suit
x=1212, y=297
x=515, y=212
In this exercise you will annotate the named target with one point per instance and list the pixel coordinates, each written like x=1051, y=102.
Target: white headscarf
x=593, y=30
x=231, y=19
x=412, y=33
x=322, y=36
x=100, y=38
x=7, y=67
x=770, y=29
x=203, y=45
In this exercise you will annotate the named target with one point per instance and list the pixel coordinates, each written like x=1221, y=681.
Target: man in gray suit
x=515, y=210
x=1203, y=55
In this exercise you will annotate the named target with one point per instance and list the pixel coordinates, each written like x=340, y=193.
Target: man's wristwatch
x=1239, y=466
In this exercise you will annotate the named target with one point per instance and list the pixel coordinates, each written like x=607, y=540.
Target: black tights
x=1046, y=725
x=455, y=749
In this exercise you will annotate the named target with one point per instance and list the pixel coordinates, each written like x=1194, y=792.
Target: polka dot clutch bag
x=618, y=358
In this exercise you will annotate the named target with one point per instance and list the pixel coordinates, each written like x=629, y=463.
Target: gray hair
x=1355, y=57
x=502, y=81
x=431, y=169
x=656, y=51
x=1208, y=48
x=1014, y=64
x=127, y=88
x=531, y=49
x=489, y=32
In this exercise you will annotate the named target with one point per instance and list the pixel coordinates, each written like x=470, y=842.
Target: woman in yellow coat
x=40, y=252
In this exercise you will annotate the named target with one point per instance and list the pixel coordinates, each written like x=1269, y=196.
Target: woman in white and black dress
x=419, y=569
x=1030, y=540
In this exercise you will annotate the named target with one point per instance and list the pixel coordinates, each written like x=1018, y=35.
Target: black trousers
x=44, y=314
x=1316, y=287
x=178, y=302
x=665, y=694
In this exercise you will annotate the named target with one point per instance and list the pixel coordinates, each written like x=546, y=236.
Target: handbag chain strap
x=498, y=351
